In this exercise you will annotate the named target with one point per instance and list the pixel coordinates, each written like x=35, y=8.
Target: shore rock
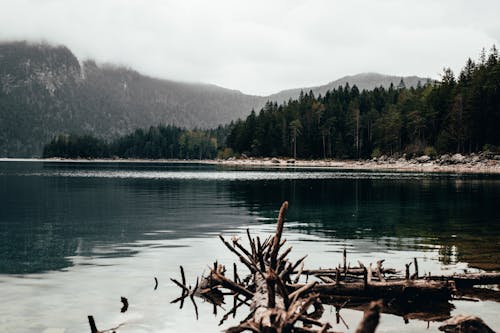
x=458, y=158
x=486, y=155
x=444, y=159
x=275, y=161
x=423, y=159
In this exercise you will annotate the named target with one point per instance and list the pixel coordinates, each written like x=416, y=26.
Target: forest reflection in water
x=47, y=217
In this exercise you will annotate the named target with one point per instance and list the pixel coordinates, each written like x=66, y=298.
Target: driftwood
x=356, y=271
x=430, y=311
x=470, y=279
x=279, y=303
x=274, y=306
x=124, y=305
x=411, y=290
x=370, y=318
x=93, y=327
x=465, y=324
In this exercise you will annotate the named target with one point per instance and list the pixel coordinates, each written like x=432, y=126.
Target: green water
x=74, y=237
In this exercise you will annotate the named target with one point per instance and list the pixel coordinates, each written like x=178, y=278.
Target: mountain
x=45, y=91
x=367, y=81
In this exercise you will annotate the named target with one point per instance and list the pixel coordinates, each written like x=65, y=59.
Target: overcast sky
x=261, y=47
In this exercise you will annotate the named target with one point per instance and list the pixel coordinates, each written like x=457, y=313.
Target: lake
x=76, y=236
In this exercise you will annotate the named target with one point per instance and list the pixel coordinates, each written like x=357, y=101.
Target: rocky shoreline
x=485, y=162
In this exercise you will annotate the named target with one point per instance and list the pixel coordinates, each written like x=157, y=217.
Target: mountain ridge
x=365, y=80
x=45, y=90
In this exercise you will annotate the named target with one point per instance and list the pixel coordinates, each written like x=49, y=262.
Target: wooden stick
x=345, y=259
x=231, y=285
x=285, y=253
x=93, y=328
x=285, y=273
x=240, y=256
x=379, y=270
x=252, y=244
x=267, y=242
x=370, y=318
x=350, y=270
x=284, y=292
x=260, y=256
x=297, y=277
x=183, y=276
x=245, y=326
x=470, y=279
x=239, y=246
x=419, y=290
x=271, y=292
x=236, y=278
x=407, y=274
x=232, y=311
x=279, y=232
x=298, y=262
x=296, y=294
x=310, y=321
x=304, y=305
x=415, y=276
x=191, y=296
x=326, y=279
x=125, y=305
x=183, y=287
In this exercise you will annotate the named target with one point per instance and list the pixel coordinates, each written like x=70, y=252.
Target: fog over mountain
x=45, y=91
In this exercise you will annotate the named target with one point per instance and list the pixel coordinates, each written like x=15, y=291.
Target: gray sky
x=261, y=47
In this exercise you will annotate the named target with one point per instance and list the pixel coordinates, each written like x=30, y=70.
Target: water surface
x=74, y=237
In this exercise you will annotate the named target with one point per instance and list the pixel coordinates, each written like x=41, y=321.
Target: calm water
x=74, y=237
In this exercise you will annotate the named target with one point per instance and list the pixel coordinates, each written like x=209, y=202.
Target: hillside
x=45, y=91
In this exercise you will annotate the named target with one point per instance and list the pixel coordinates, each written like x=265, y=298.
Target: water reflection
x=462, y=221
x=52, y=211
x=79, y=235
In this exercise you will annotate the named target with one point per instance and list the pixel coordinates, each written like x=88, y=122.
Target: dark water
x=74, y=237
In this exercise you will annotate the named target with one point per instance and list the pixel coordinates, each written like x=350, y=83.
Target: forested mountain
x=45, y=91
x=364, y=81
x=458, y=114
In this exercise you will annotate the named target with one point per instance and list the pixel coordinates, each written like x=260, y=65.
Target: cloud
x=258, y=46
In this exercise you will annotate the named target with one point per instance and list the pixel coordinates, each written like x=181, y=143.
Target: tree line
x=458, y=114
x=157, y=142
